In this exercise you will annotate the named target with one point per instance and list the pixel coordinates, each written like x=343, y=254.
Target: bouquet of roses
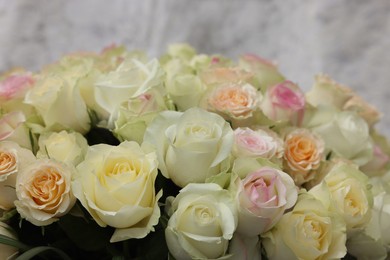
x=113, y=155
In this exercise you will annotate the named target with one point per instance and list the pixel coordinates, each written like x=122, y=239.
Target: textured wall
x=347, y=39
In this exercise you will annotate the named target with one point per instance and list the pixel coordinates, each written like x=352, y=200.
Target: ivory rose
x=303, y=152
x=257, y=143
x=262, y=197
x=284, y=102
x=103, y=182
x=44, y=191
x=65, y=147
x=309, y=231
x=191, y=146
x=202, y=222
x=13, y=159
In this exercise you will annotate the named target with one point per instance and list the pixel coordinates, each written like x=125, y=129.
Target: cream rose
x=351, y=193
x=104, y=180
x=65, y=147
x=309, y=231
x=303, y=152
x=202, y=222
x=191, y=146
x=44, y=191
x=6, y=251
x=13, y=159
x=262, y=196
x=57, y=99
x=257, y=143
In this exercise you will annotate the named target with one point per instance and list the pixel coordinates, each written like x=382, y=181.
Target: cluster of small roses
x=262, y=167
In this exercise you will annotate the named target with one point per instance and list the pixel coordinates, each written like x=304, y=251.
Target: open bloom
x=203, y=220
x=104, y=180
x=303, y=152
x=44, y=191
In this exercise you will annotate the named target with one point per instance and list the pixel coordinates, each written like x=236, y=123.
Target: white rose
x=346, y=134
x=58, y=101
x=13, y=128
x=103, y=182
x=131, y=79
x=13, y=159
x=44, y=191
x=203, y=220
x=191, y=146
x=65, y=147
x=309, y=231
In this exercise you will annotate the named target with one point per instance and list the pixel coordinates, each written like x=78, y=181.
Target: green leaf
x=42, y=249
x=86, y=235
x=13, y=242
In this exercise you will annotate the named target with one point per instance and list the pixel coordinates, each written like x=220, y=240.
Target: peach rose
x=234, y=100
x=303, y=154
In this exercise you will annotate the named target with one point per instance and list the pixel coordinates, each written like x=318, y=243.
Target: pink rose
x=15, y=86
x=263, y=196
x=257, y=143
x=284, y=102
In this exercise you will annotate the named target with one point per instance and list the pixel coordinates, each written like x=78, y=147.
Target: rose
x=377, y=165
x=13, y=128
x=132, y=78
x=65, y=147
x=262, y=196
x=374, y=242
x=202, y=221
x=327, y=92
x=303, y=152
x=309, y=231
x=284, y=102
x=216, y=76
x=54, y=94
x=102, y=184
x=266, y=73
x=13, y=159
x=350, y=190
x=369, y=113
x=6, y=251
x=190, y=146
x=257, y=143
x=136, y=113
x=44, y=191
x=345, y=134
x=233, y=101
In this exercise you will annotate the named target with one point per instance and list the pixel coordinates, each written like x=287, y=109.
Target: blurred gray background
x=347, y=39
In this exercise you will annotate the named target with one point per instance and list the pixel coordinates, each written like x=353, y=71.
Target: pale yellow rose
x=351, y=193
x=65, y=147
x=13, y=159
x=103, y=182
x=44, y=191
x=191, y=146
x=202, y=222
x=310, y=231
x=7, y=252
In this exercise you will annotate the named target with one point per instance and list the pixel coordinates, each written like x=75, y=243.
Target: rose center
x=7, y=163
